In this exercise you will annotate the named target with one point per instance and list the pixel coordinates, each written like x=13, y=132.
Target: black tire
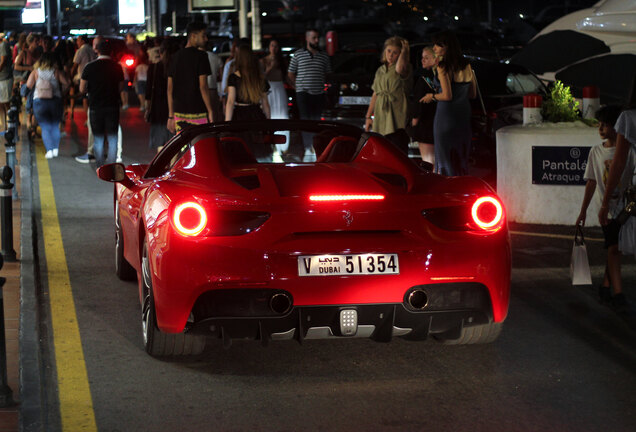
x=479, y=334
x=157, y=343
x=123, y=269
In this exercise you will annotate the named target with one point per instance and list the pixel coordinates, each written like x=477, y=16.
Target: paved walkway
x=9, y=417
x=21, y=307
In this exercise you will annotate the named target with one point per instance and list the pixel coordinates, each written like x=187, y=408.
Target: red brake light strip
x=346, y=197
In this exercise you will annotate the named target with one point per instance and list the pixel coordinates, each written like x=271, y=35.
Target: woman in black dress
x=422, y=114
x=247, y=99
x=452, y=117
x=247, y=89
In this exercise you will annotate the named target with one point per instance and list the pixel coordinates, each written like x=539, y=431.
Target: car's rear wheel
x=123, y=269
x=479, y=334
x=156, y=342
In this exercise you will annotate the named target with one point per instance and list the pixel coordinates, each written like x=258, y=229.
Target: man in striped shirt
x=307, y=72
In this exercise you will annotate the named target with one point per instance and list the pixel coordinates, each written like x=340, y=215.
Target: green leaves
x=560, y=105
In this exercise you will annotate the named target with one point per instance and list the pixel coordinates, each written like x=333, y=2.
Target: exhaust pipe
x=280, y=303
x=418, y=299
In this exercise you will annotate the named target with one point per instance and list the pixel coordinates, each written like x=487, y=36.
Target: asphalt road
x=564, y=362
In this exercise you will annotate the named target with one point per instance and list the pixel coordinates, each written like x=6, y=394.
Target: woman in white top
x=47, y=101
x=275, y=71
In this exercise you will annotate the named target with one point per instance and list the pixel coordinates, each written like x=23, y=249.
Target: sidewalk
x=9, y=417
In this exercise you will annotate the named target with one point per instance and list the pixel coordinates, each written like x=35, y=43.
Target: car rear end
x=335, y=249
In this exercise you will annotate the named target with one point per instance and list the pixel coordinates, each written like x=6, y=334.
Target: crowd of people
x=180, y=86
x=51, y=77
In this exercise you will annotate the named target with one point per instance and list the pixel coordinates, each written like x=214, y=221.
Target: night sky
x=102, y=13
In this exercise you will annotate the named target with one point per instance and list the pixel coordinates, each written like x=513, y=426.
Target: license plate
x=355, y=100
x=348, y=265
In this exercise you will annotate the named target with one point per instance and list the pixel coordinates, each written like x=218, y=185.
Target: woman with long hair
x=247, y=89
x=19, y=46
x=452, y=131
x=388, y=107
x=275, y=70
x=45, y=79
x=24, y=63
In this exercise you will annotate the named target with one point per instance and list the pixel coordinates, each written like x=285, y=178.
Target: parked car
x=348, y=88
x=359, y=243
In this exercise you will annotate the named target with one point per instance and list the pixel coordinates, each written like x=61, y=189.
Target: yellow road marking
x=76, y=403
x=560, y=236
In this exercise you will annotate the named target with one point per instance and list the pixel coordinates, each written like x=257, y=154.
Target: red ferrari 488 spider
x=361, y=242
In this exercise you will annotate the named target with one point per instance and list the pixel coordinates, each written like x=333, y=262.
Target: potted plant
x=560, y=105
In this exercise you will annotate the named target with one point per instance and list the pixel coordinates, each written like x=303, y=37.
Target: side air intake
x=392, y=179
x=249, y=182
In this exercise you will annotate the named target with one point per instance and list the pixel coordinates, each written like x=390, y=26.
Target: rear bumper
x=184, y=272
x=247, y=314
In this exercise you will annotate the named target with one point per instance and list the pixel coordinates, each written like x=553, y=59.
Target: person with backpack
x=47, y=100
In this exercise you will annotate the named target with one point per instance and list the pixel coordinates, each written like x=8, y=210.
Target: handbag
x=579, y=265
x=629, y=198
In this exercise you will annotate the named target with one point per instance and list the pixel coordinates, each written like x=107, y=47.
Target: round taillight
x=487, y=212
x=190, y=218
x=129, y=61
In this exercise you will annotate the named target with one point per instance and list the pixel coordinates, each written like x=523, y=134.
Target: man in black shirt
x=104, y=80
x=188, y=94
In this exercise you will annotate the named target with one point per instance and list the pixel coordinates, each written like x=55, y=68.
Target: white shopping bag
x=580, y=266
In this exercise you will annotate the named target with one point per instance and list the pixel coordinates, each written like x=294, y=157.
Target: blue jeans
x=104, y=123
x=48, y=113
x=98, y=148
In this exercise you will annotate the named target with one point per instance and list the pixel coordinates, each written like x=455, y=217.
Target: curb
x=31, y=385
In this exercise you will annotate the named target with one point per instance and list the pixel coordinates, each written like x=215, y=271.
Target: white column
x=242, y=18
x=256, y=25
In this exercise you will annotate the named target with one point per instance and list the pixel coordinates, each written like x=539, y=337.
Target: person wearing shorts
x=188, y=92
